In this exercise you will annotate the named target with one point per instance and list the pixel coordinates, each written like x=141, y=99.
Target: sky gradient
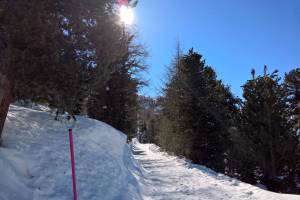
x=232, y=35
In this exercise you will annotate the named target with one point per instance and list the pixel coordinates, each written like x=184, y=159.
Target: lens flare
x=126, y=15
x=123, y=2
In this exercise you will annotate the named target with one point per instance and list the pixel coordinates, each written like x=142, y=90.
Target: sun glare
x=126, y=15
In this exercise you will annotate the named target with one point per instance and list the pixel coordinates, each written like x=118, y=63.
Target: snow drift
x=35, y=160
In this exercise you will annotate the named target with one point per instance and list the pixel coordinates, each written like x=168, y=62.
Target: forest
x=76, y=57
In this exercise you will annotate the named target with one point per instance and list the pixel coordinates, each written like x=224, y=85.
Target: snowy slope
x=168, y=177
x=35, y=160
x=35, y=165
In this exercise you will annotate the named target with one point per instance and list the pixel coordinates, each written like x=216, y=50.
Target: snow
x=35, y=165
x=164, y=176
x=35, y=159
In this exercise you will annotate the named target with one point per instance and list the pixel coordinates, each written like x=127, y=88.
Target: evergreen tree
x=115, y=101
x=95, y=40
x=197, y=113
x=292, y=83
x=30, y=47
x=265, y=137
x=56, y=51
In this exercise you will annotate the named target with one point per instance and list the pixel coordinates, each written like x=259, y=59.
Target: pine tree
x=266, y=138
x=292, y=86
x=115, y=104
x=94, y=41
x=115, y=101
x=30, y=40
x=197, y=113
x=56, y=51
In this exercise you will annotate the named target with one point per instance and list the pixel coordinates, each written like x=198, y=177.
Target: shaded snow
x=35, y=160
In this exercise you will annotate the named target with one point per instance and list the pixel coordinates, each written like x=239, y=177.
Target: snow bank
x=14, y=174
x=35, y=160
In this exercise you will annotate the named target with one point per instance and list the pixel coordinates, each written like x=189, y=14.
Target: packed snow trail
x=168, y=177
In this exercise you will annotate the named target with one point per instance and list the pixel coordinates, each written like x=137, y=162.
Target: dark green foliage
x=55, y=51
x=66, y=53
x=115, y=101
x=31, y=44
x=265, y=144
x=95, y=44
x=292, y=84
x=197, y=112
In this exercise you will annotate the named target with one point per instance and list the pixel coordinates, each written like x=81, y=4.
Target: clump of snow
x=32, y=105
x=35, y=159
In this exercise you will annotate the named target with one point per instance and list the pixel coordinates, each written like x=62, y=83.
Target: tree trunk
x=6, y=98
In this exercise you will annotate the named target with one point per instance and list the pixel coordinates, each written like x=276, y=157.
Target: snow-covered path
x=35, y=165
x=168, y=177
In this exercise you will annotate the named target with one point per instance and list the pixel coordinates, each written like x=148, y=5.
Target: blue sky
x=232, y=35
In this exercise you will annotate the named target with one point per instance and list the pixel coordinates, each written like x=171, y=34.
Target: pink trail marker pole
x=73, y=163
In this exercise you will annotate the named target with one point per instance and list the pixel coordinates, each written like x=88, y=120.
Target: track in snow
x=169, y=177
x=35, y=165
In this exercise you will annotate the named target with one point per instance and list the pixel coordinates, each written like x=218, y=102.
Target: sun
x=126, y=15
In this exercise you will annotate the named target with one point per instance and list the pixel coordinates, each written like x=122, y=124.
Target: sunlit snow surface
x=169, y=177
x=35, y=165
